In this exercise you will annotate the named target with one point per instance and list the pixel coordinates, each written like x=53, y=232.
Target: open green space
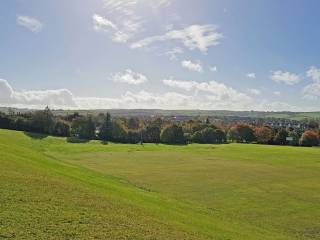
x=52, y=189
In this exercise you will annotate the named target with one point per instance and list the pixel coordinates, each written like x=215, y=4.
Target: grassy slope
x=54, y=190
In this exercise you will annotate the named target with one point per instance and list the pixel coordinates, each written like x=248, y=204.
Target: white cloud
x=218, y=92
x=285, y=77
x=312, y=91
x=129, y=77
x=314, y=74
x=254, y=91
x=213, y=69
x=251, y=75
x=277, y=93
x=192, y=66
x=60, y=98
x=214, y=96
x=103, y=24
x=192, y=37
x=30, y=23
x=122, y=19
x=172, y=54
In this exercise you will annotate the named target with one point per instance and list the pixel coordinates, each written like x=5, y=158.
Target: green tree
x=133, y=123
x=43, y=121
x=83, y=128
x=62, y=129
x=105, y=132
x=172, y=134
x=281, y=137
x=119, y=133
x=294, y=137
x=151, y=134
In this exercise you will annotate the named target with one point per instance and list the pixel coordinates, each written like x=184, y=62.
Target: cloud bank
x=197, y=95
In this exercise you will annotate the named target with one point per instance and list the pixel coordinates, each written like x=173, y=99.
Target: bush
x=309, y=138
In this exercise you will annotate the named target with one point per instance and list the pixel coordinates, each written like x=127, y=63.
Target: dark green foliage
x=134, y=137
x=133, y=123
x=61, y=129
x=281, y=137
x=172, y=134
x=105, y=132
x=5, y=121
x=83, y=128
x=220, y=136
x=151, y=134
x=209, y=135
x=119, y=133
x=295, y=136
x=43, y=121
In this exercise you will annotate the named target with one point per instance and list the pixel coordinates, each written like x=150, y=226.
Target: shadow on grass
x=76, y=140
x=38, y=136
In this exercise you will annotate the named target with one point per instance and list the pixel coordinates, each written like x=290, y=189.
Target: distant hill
x=200, y=113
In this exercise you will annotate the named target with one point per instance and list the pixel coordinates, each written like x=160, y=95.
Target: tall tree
x=105, y=132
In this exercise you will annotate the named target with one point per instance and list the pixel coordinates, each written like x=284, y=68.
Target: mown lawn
x=51, y=189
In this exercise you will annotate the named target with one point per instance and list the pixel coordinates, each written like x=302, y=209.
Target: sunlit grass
x=51, y=189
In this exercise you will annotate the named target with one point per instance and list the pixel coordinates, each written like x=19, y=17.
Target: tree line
x=135, y=130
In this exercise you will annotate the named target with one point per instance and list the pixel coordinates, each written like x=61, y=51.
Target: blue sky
x=169, y=54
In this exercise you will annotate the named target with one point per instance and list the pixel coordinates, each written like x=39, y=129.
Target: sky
x=160, y=54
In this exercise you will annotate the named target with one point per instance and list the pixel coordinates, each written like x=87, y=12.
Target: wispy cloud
x=129, y=77
x=101, y=23
x=200, y=37
x=314, y=73
x=285, y=77
x=121, y=18
x=172, y=54
x=213, y=69
x=30, y=23
x=251, y=75
x=192, y=66
x=312, y=91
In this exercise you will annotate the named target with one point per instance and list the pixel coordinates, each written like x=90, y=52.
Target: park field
x=52, y=189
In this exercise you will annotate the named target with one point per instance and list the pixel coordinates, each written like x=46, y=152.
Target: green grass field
x=51, y=189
